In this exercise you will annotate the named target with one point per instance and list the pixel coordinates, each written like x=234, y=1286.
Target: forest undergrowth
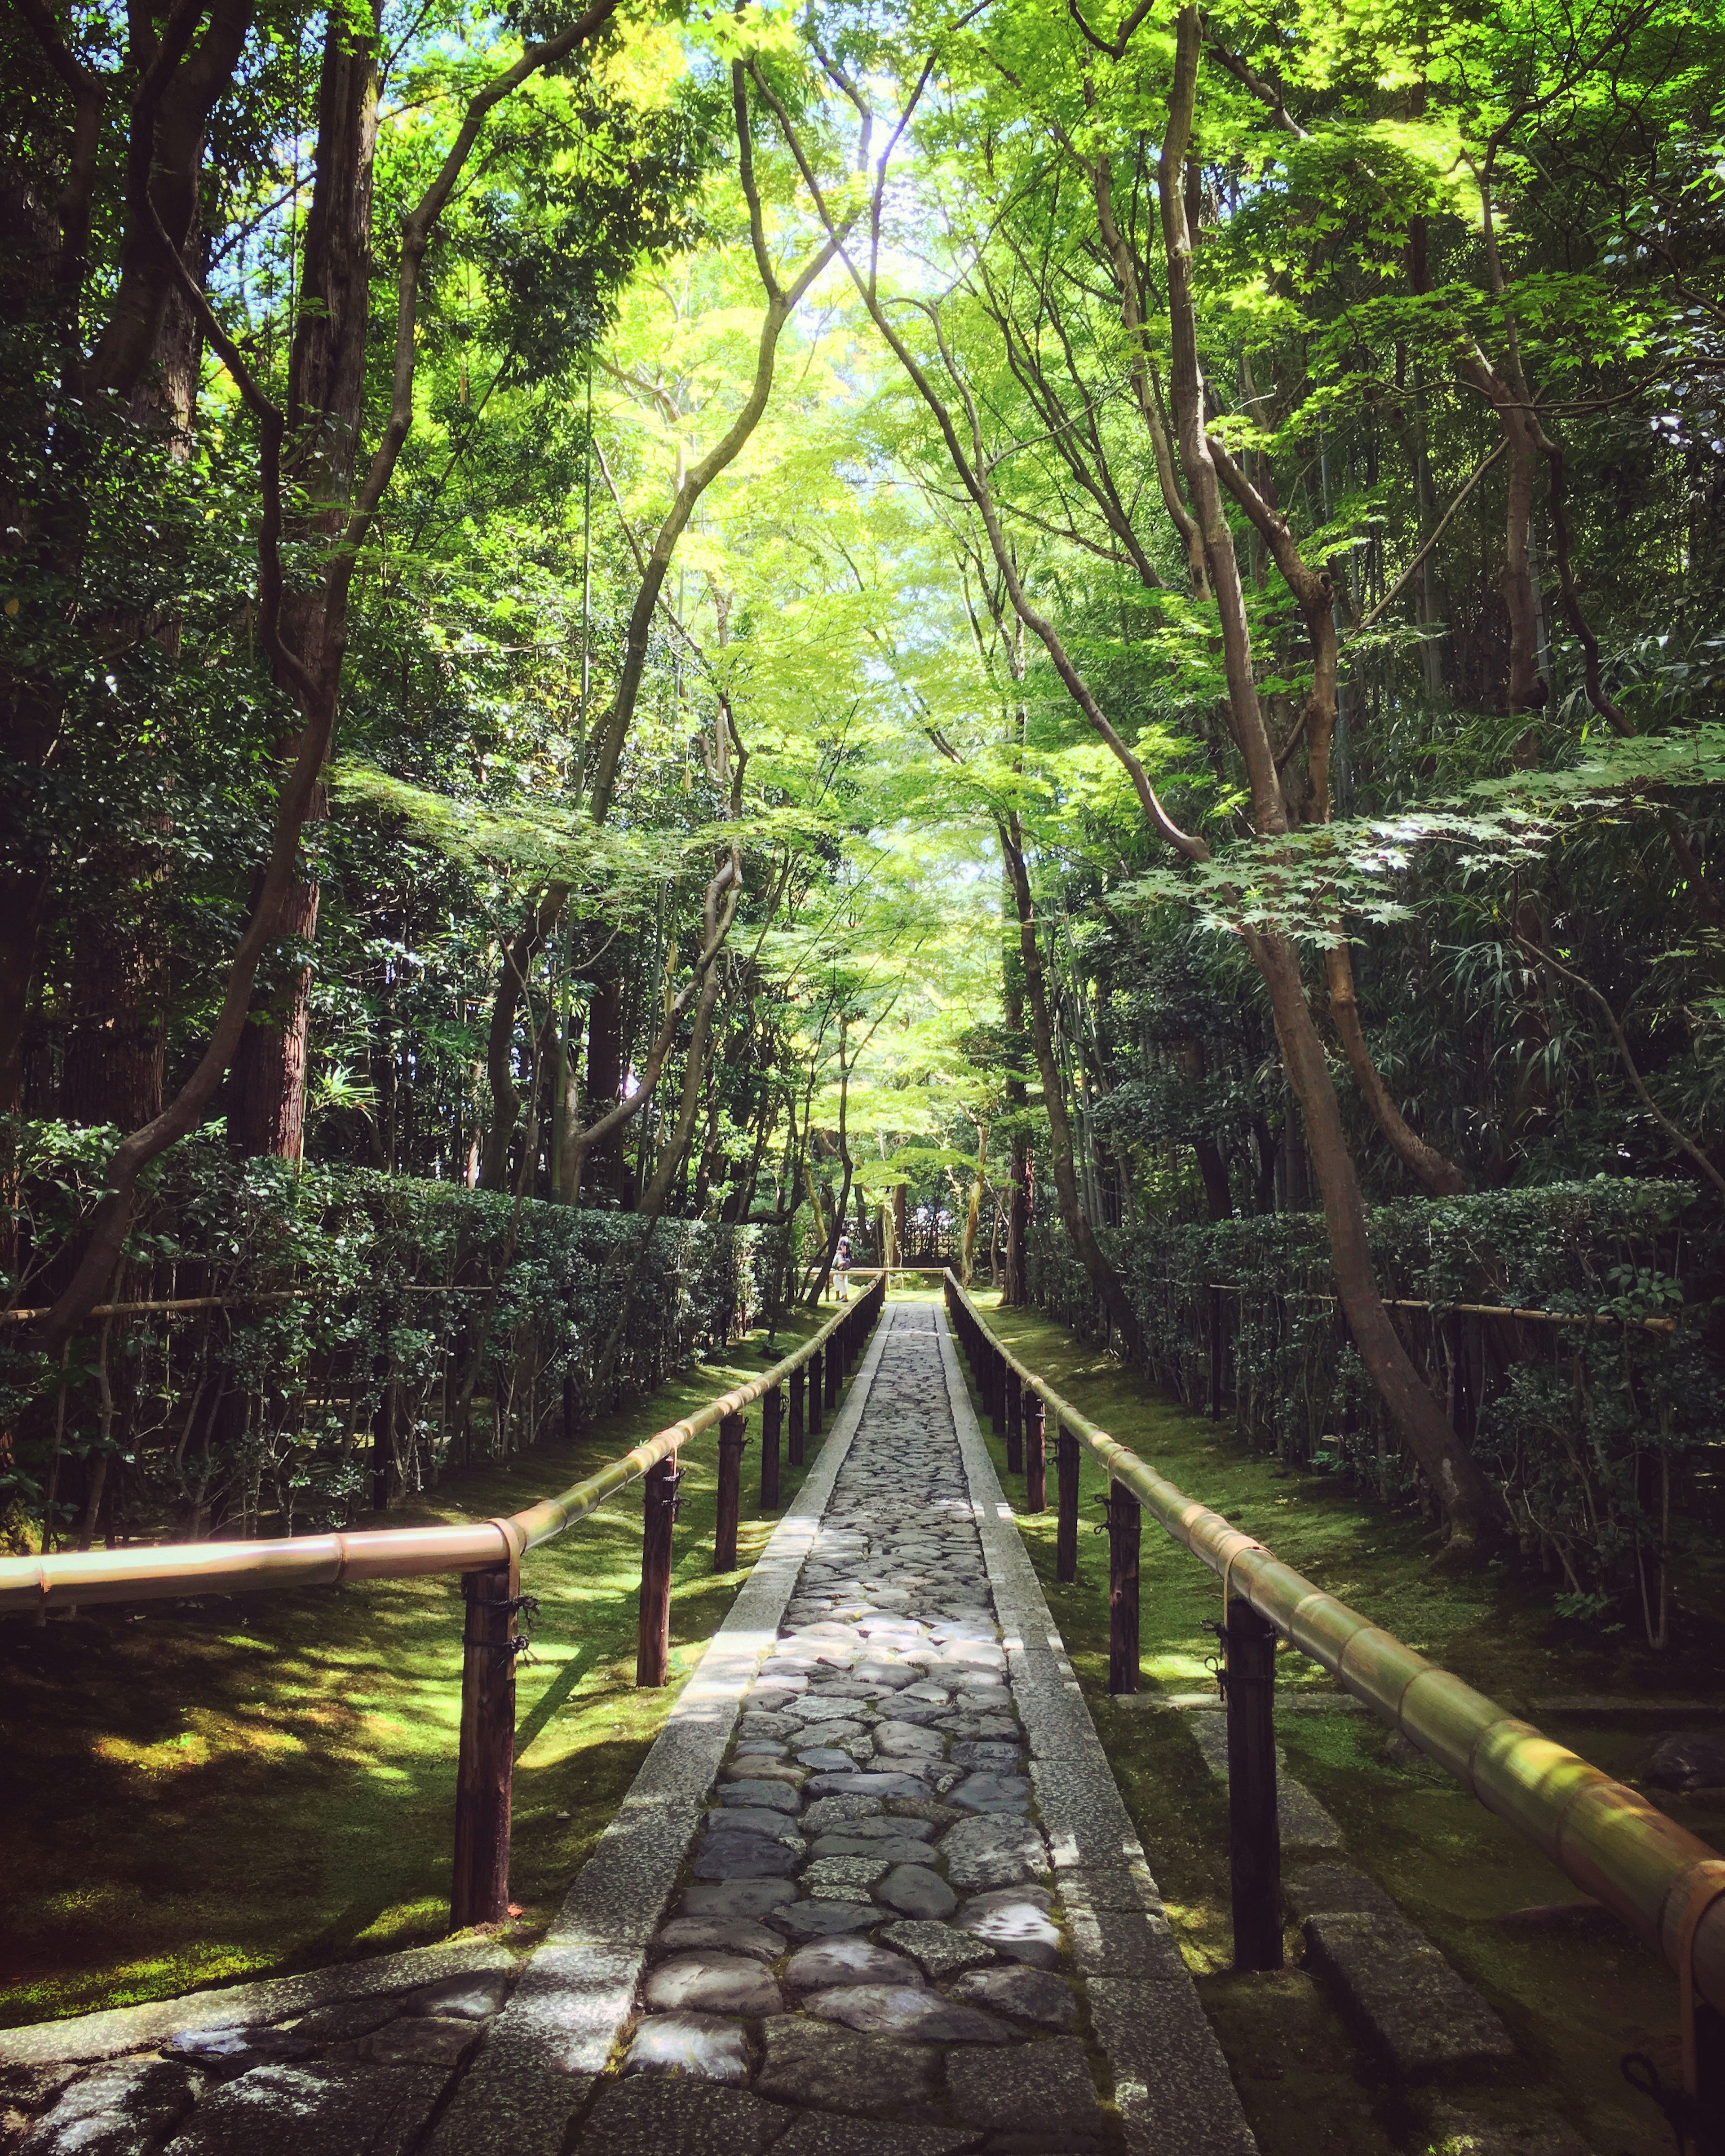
x=201, y=1794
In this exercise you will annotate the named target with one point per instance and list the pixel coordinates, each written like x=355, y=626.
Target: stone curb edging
x=87, y=2039
x=1171, y=2086
x=544, y=2052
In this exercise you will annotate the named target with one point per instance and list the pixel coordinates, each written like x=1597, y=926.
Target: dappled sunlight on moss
x=279, y=1776
x=1575, y=1999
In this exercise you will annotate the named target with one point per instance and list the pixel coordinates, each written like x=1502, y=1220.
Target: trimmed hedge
x=1605, y=1441
x=375, y=1329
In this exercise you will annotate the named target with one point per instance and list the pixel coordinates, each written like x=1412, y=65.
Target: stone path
x=870, y=1937
x=874, y=1893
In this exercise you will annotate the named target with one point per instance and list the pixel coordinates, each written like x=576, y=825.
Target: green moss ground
x=1576, y=1992
x=194, y=1796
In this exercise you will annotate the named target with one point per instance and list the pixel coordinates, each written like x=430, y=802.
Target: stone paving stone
x=756, y=1766
x=427, y=2041
x=1043, y=2087
x=1334, y=1890
x=1028, y=1995
x=888, y=1826
x=993, y=1793
x=735, y=1897
x=665, y=2116
x=843, y=1878
x=525, y=2110
x=1171, y=2086
x=982, y=1854
x=1456, y=2133
x=897, y=1849
x=1424, y=2018
x=862, y=1784
x=772, y=1796
x=892, y=2010
x=126, y=2029
x=342, y=2024
x=313, y=2110
x=752, y=1726
x=908, y=1739
x=473, y=1997
x=941, y=1950
x=1122, y=1942
x=834, y=1811
x=1115, y=1886
x=712, y=1983
x=704, y=2045
x=121, y=2110
x=736, y=1935
x=744, y=1857
x=815, y=1920
x=846, y=1960
x=833, y=2069
x=224, y=2054
x=818, y=2135
x=914, y=1891
x=1014, y=1922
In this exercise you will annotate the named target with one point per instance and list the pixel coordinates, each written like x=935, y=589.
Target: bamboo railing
x=1666, y=1884
x=488, y=1554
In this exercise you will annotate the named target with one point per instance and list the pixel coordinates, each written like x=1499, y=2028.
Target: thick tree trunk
x=116, y=1039
x=1455, y=1479
x=1103, y=1278
x=1460, y=1489
x=325, y=385
x=139, y=361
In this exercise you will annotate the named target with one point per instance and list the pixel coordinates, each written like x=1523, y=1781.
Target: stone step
x=1427, y=2022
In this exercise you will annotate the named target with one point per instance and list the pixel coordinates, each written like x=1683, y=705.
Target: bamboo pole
x=1660, y=1879
x=171, y=1569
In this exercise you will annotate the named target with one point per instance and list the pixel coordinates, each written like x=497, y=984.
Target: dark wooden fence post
x=1066, y=1530
x=1035, y=1420
x=1015, y=1402
x=659, y=1513
x=817, y=1390
x=793, y=1436
x=772, y=1416
x=1124, y=1527
x=1254, y=1836
x=835, y=1372
x=479, y=1893
x=733, y=1435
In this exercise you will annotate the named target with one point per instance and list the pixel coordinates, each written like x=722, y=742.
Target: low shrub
x=1604, y=1439
x=352, y=1334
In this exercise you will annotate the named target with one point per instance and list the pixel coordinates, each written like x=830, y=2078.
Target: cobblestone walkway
x=873, y=1893
x=862, y=1934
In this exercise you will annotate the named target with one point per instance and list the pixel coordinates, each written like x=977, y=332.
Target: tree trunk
x=1440, y=1174
x=325, y=385
x=1014, y=1292
x=1455, y=1479
x=670, y=1158
x=1466, y=1498
x=604, y=1080
x=1103, y=1278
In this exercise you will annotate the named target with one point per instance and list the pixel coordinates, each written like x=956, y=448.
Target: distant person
x=841, y=1269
